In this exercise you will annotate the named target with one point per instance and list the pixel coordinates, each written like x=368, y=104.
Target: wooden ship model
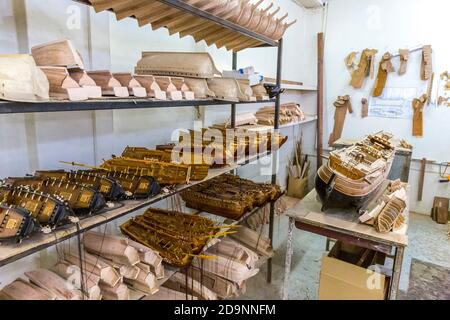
x=176, y=236
x=230, y=196
x=353, y=175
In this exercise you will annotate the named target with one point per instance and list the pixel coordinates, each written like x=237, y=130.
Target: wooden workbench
x=343, y=225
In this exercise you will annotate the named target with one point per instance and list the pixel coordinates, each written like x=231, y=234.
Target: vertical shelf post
x=275, y=154
x=320, y=55
x=233, y=106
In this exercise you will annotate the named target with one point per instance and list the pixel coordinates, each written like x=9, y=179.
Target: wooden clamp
x=404, y=57
x=418, y=105
x=383, y=70
x=426, y=69
x=342, y=104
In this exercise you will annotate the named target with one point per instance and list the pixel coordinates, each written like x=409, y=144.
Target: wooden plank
x=423, y=167
x=320, y=91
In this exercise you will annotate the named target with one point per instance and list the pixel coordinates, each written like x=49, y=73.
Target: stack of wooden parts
x=108, y=268
x=289, y=113
x=239, y=12
x=222, y=274
x=69, y=80
x=390, y=211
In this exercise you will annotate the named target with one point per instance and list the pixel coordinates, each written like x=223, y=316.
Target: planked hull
x=352, y=176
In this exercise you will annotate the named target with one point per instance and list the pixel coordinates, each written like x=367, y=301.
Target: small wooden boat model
x=110, y=85
x=135, y=186
x=351, y=176
x=108, y=187
x=198, y=171
x=177, y=237
x=229, y=196
x=62, y=86
x=16, y=223
x=179, y=64
x=163, y=172
x=80, y=198
x=21, y=80
x=47, y=209
x=61, y=53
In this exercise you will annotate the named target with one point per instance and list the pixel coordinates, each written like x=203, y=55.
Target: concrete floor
x=428, y=241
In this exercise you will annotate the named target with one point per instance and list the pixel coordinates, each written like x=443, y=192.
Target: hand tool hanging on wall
x=350, y=61
x=404, y=57
x=342, y=104
x=418, y=105
x=426, y=69
x=383, y=70
x=365, y=68
x=430, y=88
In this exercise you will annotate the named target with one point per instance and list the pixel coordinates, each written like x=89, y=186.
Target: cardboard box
x=344, y=274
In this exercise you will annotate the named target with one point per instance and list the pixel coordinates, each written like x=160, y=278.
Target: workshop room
x=215, y=152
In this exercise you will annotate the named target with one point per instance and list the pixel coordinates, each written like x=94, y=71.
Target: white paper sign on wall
x=394, y=103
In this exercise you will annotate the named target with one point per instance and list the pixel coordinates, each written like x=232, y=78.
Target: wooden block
x=61, y=53
x=119, y=292
x=234, y=250
x=179, y=280
x=81, y=77
x=149, y=257
x=110, y=85
x=165, y=83
x=169, y=294
x=97, y=266
x=145, y=282
x=22, y=290
x=62, y=86
x=72, y=274
x=115, y=248
x=222, y=287
x=134, y=87
x=151, y=86
x=253, y=240
x=53, y=283
x=226, y=267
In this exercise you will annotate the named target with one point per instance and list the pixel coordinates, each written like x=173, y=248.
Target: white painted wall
x=353, y=25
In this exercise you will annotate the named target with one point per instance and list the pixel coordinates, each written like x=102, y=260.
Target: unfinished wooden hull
x=352, y=176
x=15, y=223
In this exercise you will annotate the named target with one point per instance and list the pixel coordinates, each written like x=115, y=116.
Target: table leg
x=287, y=266
x=396, y=272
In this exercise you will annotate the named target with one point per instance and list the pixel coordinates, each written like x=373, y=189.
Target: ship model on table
x=352, y=176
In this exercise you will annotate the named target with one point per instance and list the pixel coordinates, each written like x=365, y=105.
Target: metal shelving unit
x=41, y=241
x=109, y=104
